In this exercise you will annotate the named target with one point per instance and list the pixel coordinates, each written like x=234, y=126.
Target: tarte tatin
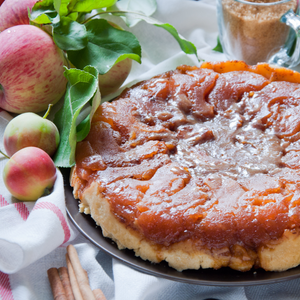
x=199, y=167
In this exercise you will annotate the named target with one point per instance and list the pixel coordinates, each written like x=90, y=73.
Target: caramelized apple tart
x=199, y=167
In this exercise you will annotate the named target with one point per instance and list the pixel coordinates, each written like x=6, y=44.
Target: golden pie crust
x=199, y=167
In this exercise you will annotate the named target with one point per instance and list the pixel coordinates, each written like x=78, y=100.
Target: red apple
x=29, y=129
x=32, y=70
x=14, y=12
x=29, y=174
x=114, y=78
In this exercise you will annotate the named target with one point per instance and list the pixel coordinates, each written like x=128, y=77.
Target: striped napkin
x=30, y=230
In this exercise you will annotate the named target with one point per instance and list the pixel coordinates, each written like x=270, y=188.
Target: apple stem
x=48, y=111
x=1, y=152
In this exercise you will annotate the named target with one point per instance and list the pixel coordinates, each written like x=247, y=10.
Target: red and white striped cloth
x=29, y=230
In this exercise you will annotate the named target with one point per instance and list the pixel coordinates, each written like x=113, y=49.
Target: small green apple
x=30, y=129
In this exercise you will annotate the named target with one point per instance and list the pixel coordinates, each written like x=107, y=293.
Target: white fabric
x=34, y=235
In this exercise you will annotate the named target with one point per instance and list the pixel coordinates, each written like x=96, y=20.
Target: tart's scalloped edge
x=279, y=255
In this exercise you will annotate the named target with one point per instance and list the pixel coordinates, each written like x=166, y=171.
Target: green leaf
x=82, y=88
x=82, y=128
x=61, y=6
x=219, y=47
x=146, y=7
x=89, y=5
x=106, y=47
x=70, y=35
x=43, y=12
x=75, y=16
x=186, y=46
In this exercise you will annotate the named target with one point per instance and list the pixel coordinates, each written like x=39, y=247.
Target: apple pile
x=30, y=141
x=31, y=78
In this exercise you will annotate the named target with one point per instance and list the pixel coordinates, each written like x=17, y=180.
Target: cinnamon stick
x=80, y=273
x=72, y=283
x=99, y=294
x=73, y=280
x=56, y=284
x=65, y=280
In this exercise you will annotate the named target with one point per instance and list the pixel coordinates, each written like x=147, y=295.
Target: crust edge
x=281, y=255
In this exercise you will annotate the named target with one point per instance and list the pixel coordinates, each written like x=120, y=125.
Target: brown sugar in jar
x=254, y=33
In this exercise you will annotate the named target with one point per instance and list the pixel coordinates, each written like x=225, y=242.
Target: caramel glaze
x=198, y=154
